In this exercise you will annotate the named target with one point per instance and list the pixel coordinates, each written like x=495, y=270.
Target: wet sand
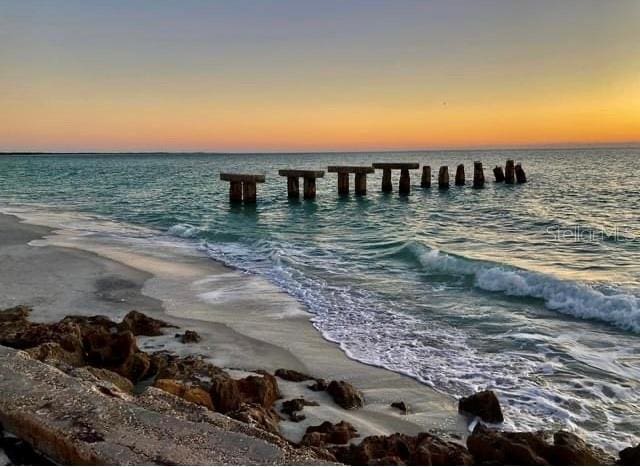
x=246, y=323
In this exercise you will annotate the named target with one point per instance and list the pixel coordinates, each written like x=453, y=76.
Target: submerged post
x=460, y=180
x=343, y=183
x=242, y=187
x=360, y=183
x=387, y=187
x=343, y=172
x=405, y=182
x=521, y=177
x=309, y=188
x=509, y=173
x=443, y=177
x=293, y=182
x=499, y=174
x=478, y=175
x=293, y=187
x=405, y=178
x=425, y=182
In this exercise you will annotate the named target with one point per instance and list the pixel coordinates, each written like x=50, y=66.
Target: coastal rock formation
x=329, y=433
x=483, y=404
x=630, y=456
x=292, y=375
x=262, y=390
x=259, y=416
x=191, y=368
x=189, y=337
x=293, y=406
x=142, y=325
x=399, y=449
x=401, y=406
x=319, y=385
x=515, y=448
x=225, y=394
x=192, y=394
x=345, y=395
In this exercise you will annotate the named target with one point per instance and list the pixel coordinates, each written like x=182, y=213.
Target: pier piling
x=425, y=182
x=360, y=181
x=509, y=173
x=405, y=178
x=478, y=175
x=443, y=177
x=293, y=182
x=499, y=174
x=242, y=187
x=521, y=177
x=293, y=187
x=460, y=179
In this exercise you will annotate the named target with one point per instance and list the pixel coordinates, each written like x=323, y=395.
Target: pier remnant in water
x=478, y=175
x=499, y=174
x=509, y=173
x=343, y=172
x=293, y=182
x=460, y=179
x=242, y=186
x=443, y=177
x=521, y=177
x=405, y=179
x=426, y=177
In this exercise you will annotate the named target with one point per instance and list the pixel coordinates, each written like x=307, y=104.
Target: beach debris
x=329, y=433
x=478, y=175
x=319, y=385
x=242, y=187
x=400, y=449
x=509, y=172
x=521, y=177
x=345, y=395
x=189, y=337
x=630, y=456
x=401, y=406
x=425, y=181
x=443, y=177
x=493, y=447
x=404, y=186
x=360, y=174
x=293, y=182
x=460, y=178
x=484, y=404
x=292, y=375
x=142, y=325
x=498, y=173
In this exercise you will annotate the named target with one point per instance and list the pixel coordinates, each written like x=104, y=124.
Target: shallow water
x=532, y=290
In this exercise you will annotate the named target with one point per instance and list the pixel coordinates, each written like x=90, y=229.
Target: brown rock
x=345, y=395
x=569, y=449
x=505, y=448
x=87, y=323
x=171, y=386
x=190, y=368
x=630, y=456
x=18, y=313
x=329, y=433
x=259, y=416
x=119, y=381
x=388, y=460
x=190, y=337
x=105, y=349
x=319, y=385
x=483, y=404
x=142, y=325
x=431, y=450
x=401, y=406
x=225, y=394
x=292, y=375
x=296, y=405
x=261, y=390
x=194, y=395
x=53, y=354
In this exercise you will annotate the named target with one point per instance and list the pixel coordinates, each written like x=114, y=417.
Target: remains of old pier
x=521, y=177
x=499, y=174
x=426, y=177
x=478, y=175
x=443, y=177
x=460, y=180
x=343, y=172
x=405, y=179
x=293, y=182
x=242, y=187
x=509, y=173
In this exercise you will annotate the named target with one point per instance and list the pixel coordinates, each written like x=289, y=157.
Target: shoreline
x=273, y=331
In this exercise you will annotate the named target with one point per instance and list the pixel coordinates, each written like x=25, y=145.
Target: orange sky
x=82, y=78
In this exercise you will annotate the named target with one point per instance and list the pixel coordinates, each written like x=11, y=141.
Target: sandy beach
x=245, y=322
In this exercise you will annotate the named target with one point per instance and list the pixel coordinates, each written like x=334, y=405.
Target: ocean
x=531, y=290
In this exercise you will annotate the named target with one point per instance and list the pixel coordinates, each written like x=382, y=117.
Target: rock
x=422, y=449
x=190, y=368
x=292, y=375
x=105, y=349
x=569, y=449
x=119, y=381
x=297, y=417
x=53, y=354
x=506, y=448
x=345, y=395
x=630, y=456
x=142, y=325
x=18, y=333
x=483, y=404
x=329, y=433
x=190, y=337
x=18, y=313
x=261, y=390
x=87, y=323
x=225, y=394
x=296, y=405
x=319, y=385
x=256, y=415
x=195, y=395
x=18, y=452
x=401, y=406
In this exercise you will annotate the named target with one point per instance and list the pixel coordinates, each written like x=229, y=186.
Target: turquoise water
x=532, y=290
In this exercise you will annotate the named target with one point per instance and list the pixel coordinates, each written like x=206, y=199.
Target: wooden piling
x=425, y=182
x=405, y=182
x=387, y=187
x=405, y=177
x=499, y=174
x=235, y=191
x=293, y=187
x=521, y=177
x=343, y=183
x=249, y=192
x=309, y=188
x=460, y=179
x=242, y=186
x=443, y=177
x=509, y=173
x=478, y=175
x=360, y=184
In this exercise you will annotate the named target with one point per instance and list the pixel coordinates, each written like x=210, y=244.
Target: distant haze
x=317, y=75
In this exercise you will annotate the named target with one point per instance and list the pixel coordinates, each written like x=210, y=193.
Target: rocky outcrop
x=630, y=456
x=319, y=385
x=345, y=395
x=189, y=337
x=257, y=415
x=516, y=448
x=142, y=325
x=225, y=393
x=190, y=368
x=122, y=383
x=292, y=375
x=483, y=404
x=294, y=406
x=329, y=433
x=189, y=393
x=261, y=390
x=399, y=449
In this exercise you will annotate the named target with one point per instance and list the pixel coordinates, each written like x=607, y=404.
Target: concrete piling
x=387, y=187
x=509, y=173
x=360, y=181
x=405, y=178
x=443, y=177
x=460, y=179
x=425, y=182
x=293, y=187
x=242, y=187
x=293, y=182
x=498, y=173
x=478, y=175
x=521, y=177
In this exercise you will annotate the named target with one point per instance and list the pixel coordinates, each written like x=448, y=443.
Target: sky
x=330, y=75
